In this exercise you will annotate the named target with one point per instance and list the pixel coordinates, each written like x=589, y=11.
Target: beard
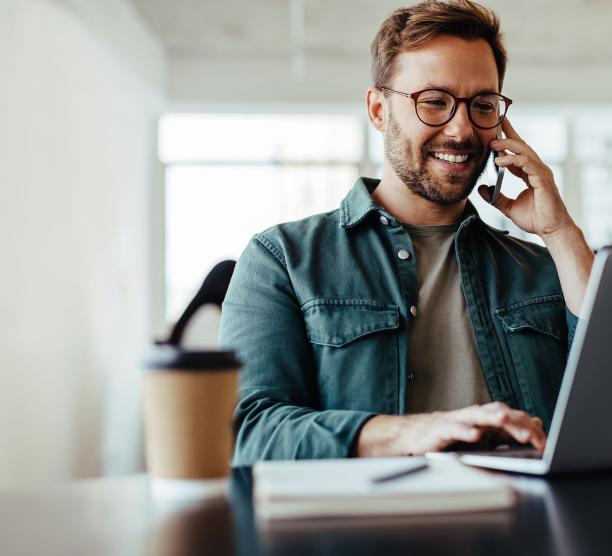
x=409, y=166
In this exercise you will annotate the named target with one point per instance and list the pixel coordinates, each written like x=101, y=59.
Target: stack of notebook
x=286, y=490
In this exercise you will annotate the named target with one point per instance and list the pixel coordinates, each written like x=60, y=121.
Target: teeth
x=451, y=157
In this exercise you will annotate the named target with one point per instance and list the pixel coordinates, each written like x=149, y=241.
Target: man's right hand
x=392, y=435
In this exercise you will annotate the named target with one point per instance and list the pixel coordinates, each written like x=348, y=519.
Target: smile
x=451, y=157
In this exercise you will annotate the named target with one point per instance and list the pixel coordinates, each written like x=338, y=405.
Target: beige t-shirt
x=445, y=371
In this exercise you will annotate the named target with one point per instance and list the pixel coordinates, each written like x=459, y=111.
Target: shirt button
x=413, y=311
x=403, y=254
x=384, y=220
x=410, y=377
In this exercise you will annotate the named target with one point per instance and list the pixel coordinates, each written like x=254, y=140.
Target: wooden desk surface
x=560, y=516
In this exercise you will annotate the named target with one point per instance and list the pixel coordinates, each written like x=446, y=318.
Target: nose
x=459, y=127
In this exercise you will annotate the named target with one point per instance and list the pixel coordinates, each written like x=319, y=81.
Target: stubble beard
x=411, y=170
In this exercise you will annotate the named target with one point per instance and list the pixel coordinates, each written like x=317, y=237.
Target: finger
x=519, y=173
x=495, y=406
x=543, y=438
x=509, y=130
x=517, y=423
x=526, y=435
x=457, y=431
x=520, y=165
x=539, y=441
x=538, y=426
x=519, y=160
x=504, y=204
x=525, y=429
x=486, y=192
x=514, y=170
x=512, y=145
x=513, y=415
x=483, y=415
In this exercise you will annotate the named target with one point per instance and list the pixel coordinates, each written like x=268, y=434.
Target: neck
x=401, y=203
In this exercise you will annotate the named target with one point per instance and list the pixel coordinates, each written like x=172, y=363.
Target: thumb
x=485, y=191
x=503, y=203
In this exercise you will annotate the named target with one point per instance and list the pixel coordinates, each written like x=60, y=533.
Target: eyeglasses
x=435, y=107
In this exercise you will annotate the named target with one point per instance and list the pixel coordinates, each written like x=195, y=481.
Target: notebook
x=285, y=490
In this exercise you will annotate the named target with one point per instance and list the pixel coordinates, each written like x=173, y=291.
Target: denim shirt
x=319, y=312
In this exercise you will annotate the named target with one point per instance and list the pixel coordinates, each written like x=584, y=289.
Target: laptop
x=580, y=436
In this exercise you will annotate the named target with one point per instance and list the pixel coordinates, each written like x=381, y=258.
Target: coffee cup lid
x=169, y=357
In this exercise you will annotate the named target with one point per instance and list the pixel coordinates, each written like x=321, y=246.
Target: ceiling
x=541, y=32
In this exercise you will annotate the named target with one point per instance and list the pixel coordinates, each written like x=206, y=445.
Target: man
x=401, y=323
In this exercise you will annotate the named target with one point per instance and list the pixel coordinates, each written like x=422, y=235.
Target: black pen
x=399, y=474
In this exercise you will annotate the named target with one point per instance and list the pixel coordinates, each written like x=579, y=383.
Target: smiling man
x=401, y=323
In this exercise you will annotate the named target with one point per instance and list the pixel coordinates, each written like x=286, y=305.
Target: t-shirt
x=445, y=371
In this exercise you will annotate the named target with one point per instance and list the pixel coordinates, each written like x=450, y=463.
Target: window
x=230, y=176
x=593, y=147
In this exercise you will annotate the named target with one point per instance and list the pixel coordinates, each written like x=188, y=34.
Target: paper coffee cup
x=188, y=402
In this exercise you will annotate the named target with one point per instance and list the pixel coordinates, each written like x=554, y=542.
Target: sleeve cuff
x=572, y=322
x=336, y=436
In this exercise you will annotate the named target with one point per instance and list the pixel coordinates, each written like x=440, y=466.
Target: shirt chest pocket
x=536, y=332
x=355, y=347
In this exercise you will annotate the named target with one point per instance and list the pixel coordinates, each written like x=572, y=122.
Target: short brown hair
x=409, y=28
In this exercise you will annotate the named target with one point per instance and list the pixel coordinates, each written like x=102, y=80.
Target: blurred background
x=143, y=141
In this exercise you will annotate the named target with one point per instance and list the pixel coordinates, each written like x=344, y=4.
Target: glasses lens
x=434, y=107
x=488, y=110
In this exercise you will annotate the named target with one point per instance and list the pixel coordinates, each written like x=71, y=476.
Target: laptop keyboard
x=525, y=453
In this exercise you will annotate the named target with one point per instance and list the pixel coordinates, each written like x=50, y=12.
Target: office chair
x=212, y=291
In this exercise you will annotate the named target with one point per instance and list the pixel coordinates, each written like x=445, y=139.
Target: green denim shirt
x=319, y=311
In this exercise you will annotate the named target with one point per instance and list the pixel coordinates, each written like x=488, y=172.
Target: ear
x=377, y=108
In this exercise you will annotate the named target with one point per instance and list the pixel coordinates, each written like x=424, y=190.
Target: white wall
x=193, y=81
x=81, y=89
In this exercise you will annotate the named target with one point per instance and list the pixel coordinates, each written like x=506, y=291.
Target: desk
x=113, y=517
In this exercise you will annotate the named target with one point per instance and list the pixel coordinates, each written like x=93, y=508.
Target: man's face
x=412, y=148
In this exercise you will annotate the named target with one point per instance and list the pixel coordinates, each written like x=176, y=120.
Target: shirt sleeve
x=572, y=323
x=278, y=414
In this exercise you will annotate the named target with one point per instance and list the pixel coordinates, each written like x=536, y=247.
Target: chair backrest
x=212, y=290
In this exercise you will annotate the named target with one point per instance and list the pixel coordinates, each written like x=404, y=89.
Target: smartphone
x=500, y=173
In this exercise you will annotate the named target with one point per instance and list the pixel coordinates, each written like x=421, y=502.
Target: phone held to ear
x=500, y=174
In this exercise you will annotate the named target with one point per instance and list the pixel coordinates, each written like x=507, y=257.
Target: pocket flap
x=337, y=322
x=543, y=314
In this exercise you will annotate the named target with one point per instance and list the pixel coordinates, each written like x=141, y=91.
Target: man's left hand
x=538, y=209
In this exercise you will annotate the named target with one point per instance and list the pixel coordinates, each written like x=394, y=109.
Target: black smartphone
x=500, y=173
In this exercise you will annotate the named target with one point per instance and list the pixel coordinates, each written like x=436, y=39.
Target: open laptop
x=580, y=436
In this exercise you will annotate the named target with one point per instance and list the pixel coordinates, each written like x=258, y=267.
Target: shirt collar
x=358, y=204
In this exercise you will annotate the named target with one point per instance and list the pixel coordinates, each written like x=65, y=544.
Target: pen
x=399, y=474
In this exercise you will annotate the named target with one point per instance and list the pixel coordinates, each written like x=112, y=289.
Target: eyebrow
x=448, y=90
